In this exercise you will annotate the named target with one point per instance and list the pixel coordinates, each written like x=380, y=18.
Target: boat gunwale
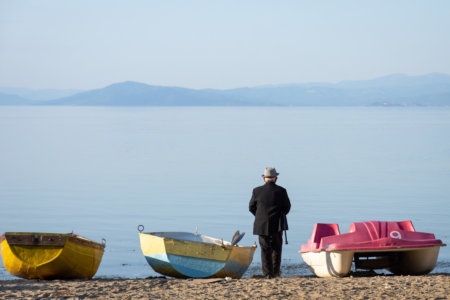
x=86, y=242
x=2, y=237
x=390, y=249
x=196, y=242
x=63, y=238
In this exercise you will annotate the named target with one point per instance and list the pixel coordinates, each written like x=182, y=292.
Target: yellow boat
x=50, y=255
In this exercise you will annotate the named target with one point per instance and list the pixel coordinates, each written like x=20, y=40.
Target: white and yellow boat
x=191, y=255
x=50, y=255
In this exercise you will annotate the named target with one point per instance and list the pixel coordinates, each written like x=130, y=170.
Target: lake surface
x=100, y=172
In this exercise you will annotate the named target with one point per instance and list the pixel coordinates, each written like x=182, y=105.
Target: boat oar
x=237, y=237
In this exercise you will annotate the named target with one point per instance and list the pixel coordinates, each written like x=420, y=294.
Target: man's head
x=270, y=175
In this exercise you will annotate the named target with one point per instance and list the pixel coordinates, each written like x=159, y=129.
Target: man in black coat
x=270, y=204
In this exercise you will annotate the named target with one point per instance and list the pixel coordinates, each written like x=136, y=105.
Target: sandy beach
x=435, y=286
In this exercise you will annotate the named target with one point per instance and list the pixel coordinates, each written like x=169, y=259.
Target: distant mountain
x=7, y=99
x=393, y=90
x=139, y=94
x=38, y=95
x=399, y=90
x=400, y=80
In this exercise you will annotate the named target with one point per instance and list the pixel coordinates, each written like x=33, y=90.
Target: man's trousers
x=271, y=246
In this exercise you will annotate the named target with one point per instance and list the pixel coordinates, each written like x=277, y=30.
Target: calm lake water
x=100, y=172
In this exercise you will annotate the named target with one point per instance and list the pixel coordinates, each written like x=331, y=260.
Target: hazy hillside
x=139, y=94
x=432, y=89
x=393, y=90
x=38, y=95
x=7, y=99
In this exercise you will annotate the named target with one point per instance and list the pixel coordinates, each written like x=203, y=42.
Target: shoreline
x=357, y=286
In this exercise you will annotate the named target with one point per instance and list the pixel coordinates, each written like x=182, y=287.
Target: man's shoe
x=267, y=276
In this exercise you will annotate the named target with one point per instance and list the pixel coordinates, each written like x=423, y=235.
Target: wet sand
x=435, y=286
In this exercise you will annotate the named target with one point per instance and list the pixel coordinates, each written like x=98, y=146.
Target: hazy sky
x=218, y=44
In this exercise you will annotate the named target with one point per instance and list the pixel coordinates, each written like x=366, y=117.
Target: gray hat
x=270, y=173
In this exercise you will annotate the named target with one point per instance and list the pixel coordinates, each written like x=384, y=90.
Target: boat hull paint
x=72, y=260
x=329, y=264
x=416, y=261
x=191, y=259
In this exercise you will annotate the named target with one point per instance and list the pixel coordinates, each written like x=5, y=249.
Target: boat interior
x=193, y=237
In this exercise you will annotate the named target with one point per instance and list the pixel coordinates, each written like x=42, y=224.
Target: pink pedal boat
x=395, y=246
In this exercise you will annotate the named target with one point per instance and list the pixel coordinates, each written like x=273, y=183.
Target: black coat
x=269, y=202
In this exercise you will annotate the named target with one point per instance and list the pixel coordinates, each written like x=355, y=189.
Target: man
x=270, y=204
